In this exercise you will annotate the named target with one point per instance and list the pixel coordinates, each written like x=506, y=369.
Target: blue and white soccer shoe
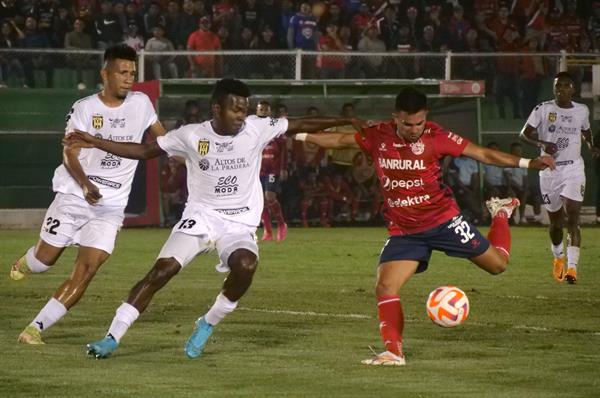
x=195, y=344
x=102, y=348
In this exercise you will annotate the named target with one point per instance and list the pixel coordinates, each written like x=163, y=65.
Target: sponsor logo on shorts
x=408, y=202
x=552, y=117
x=203, y=147
x=107, y=183
x=110, y=161
x=204, y=164
x=388, y=184
x=417, y=147
x=97, y=121
x=116, y=122
x=545, y=199
x=224, y=146
x=226, y=186
x=233, y=212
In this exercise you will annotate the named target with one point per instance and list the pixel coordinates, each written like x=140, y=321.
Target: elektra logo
x=226, y=186
x=388, y=184
x=408, y=202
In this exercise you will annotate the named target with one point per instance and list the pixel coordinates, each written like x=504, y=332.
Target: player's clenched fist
x=91, y=193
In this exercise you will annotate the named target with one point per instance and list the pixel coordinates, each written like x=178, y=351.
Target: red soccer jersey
x=410, y=176
x=273, y=157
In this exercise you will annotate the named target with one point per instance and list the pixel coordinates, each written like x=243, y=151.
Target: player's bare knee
x=243, y=261
x=384, y=288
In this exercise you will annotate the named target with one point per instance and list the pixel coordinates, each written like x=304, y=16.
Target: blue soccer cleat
x=197, y=341
x=102, y=348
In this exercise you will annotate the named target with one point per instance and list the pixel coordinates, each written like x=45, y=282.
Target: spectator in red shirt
x=458, y=26
x=497, y=25
x=203, y=40
x=331, y=67
x=360, y=21
x=572, y=24
x=507, y=73
x=532, y=70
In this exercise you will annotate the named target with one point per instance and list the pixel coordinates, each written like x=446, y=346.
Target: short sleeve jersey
x=415, y=196
x=112, y=174
x=223, y=171
x=562, y=126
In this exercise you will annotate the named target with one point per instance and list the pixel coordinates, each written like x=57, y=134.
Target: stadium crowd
x=334, y=25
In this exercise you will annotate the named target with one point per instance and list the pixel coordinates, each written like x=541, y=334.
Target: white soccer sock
x=220, y=308
x=52, y=312
x=557, y=250
x=572, y=256
x=35, y=265
x=125, y=315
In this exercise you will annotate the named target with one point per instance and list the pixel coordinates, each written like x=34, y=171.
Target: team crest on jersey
x=203, y=147
x=552, y=117
x=97, y=121
x=417, y=147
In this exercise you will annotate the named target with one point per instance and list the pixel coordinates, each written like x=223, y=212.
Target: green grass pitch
x=307, y=322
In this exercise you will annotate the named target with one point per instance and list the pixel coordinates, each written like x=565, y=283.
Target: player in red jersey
x=272, y=170
x=419, y=207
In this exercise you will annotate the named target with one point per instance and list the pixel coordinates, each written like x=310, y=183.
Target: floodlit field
x=306, y=324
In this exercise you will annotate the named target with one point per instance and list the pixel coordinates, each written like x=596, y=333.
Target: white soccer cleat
x=385, y=359
x=507, y=205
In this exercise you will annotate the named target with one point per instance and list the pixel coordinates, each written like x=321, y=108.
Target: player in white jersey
x=225, y=202
x=92, y=188
x=560, y=124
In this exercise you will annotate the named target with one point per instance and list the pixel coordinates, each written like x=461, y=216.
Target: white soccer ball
x=448, y=306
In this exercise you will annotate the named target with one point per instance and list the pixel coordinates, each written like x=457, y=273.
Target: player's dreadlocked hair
x=120, y=51
x=411, y=100
x=565, y=75
x=225, y=87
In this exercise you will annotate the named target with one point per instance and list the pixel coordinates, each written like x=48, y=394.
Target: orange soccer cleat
x=571, y=276
x=558, y=269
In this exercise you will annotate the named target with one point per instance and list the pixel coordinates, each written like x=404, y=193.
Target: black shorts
x=456, y=238
x=270, y=183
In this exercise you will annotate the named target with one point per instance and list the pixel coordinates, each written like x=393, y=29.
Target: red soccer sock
x=391, y=322
x=275, y=209
x=266, y=220
x=499, y=235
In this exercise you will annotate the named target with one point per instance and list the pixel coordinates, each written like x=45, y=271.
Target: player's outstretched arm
x=497, y=158
x=329, y=140
x=79, y=139
x=528, y=135
x=309, y=124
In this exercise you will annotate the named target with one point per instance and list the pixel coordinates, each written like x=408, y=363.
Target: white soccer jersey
x=223, y=171
x=563, y=127
x=112, y=174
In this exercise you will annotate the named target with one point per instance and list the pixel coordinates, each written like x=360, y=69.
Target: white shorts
x=200, y=231
x=71, y=220
x=564, y=182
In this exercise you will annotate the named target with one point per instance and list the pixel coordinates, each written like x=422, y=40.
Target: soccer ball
x=448, y=306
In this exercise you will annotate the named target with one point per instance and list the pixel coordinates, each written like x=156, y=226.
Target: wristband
x=524, y=163
x=301, y=136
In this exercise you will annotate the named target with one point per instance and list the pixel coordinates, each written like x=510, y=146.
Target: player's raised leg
x=495, y=259
x=573, y=209
x=242, y=263
x=391, y=276
x=68, y=294
x=37, y=259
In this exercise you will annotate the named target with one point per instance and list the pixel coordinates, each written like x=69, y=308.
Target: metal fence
x=60, y=68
